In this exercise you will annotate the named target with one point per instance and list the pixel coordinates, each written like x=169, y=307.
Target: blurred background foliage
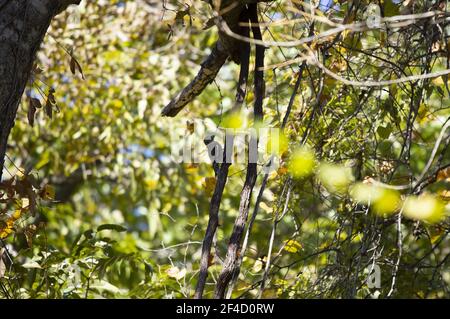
x=107, y=213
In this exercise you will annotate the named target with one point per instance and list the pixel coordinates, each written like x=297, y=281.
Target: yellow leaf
x=388, y=202
x=302, y=162
x=6, y=228
x=209, y=184
x=438, y=81
x=233, y=121
x=425, y=207
x=335, y=178
x=382, y=200
x=117, y=103
x=16, y=215
x=343, y=236
x=151, y=184
x=191, y=168
x=292, y=246
x=435, y=233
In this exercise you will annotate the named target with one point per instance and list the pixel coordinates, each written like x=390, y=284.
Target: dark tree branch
x=226, y=47
x=208, y=72
x=232, y=256
x=222, y=171
x=213, y=222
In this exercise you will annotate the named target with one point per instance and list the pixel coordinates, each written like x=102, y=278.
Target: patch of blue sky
x=325, y=5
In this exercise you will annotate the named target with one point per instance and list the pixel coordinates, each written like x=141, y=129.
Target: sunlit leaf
x=176, y=273
x=292, y=246
x=383, y=201
x=425, y=207
x=233, y=121
x=301, y=162
x=336, y=178
x=258, y=265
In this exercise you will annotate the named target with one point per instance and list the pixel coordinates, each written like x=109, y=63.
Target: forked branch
x=232, y=256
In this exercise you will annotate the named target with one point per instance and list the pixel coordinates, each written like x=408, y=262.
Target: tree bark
x=23, y=24
x=232, y=257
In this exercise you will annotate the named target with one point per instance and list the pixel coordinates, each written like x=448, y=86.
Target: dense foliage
x=92, y=204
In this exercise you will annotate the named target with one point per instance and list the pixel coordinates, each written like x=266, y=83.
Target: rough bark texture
x=230, y=11
x=23, y=24
x=231, y=260
x=205, y=76
x=211, y=229
x=222, y=172
x=226, y=47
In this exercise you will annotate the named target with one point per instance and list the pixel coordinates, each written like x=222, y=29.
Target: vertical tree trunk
x=23, y=24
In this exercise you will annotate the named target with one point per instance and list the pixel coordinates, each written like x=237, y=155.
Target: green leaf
x=384, y=132
x=390, y=8
x=118, y=228
x=31, y=264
